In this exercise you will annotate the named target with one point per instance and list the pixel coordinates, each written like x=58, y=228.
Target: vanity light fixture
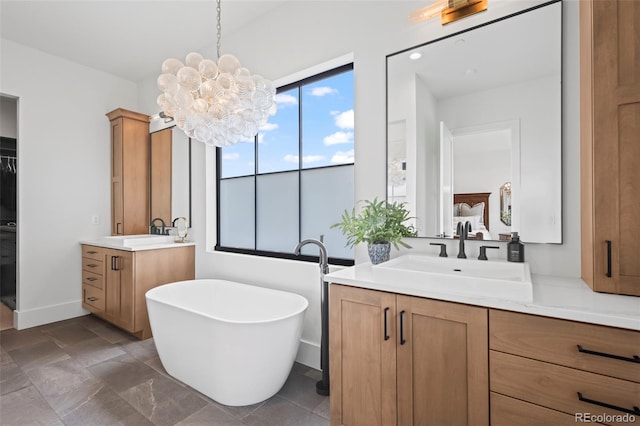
x=218, y=103
x=448, y=10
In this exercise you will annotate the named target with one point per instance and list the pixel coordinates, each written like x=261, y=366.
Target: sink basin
x=496, y=279
x=138, y=240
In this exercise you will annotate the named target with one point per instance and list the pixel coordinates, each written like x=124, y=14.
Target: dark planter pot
x=379, y=253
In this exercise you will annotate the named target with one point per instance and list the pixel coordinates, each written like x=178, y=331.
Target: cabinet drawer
x=92, y=252
x=95, y=280
x=506, y=411
x=558, y=387
x=92, y=265
x=92, y=298
x=559, y=342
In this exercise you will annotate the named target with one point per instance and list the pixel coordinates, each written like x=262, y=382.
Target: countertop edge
x=141, y=247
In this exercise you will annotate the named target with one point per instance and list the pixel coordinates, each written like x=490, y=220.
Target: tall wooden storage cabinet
x=610, y=144
x=129, y=172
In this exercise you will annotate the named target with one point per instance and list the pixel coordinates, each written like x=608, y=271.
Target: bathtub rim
x=225, y=320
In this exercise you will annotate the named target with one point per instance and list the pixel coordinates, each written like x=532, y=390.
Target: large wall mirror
x=170, y=182
x=474, y=129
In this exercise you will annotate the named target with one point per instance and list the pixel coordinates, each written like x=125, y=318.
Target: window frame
x=218, y=161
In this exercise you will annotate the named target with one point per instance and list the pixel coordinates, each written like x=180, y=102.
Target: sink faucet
x=463, y=231
x=324, y=259
x=158, y=230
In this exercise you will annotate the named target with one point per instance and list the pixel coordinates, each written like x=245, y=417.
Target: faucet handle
x=483, y=252
x=443, y=248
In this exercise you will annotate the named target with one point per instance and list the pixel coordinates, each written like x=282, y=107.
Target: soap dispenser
x=515, y=249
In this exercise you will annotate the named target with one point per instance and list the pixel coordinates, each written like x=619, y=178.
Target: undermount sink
x=138, y=240
x=496, y=278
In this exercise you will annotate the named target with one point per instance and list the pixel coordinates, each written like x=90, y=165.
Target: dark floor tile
x=60, y=377
x=5, y=358
x=211, y=414
x=239, y=412
x=74, y=399
x=301, y=389
x=278, y=411
x=112, y=334
x=142, y=350
x=27, y=407
x=71, y=334
x=123, y=372
x=93, y=351
x=12, y=378
x=163, y=401
x=156, y=364
x=16, y=339
x=38, y=355
x=104, y=407
x=323, y=409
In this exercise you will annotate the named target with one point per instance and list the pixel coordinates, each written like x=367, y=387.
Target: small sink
x=138, y=240
x=496, y=279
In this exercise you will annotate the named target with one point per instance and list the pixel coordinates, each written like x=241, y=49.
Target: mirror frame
x=560, y=236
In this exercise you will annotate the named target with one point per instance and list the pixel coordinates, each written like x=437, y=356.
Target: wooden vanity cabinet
x=405, y=360
x=609, y=148
x=129, y=172
x=125, y=278
x=545, y=370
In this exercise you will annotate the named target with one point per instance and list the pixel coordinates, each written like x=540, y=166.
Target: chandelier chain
x=218, y=27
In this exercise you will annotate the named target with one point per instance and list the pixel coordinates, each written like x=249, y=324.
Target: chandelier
x=218, y=103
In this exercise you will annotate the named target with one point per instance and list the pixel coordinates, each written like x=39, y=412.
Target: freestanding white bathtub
x=233, y=342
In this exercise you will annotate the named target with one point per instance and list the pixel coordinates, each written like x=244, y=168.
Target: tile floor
x=86, y=372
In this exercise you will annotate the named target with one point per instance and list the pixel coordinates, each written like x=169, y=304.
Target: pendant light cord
x=218, y=27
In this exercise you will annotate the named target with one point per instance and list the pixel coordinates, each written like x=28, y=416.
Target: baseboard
x=309, y=354
x=27, y=318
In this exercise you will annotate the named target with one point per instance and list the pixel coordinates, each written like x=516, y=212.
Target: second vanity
x=405, y=350
x=117, y=272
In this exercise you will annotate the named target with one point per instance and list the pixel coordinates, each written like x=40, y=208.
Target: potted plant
x=379, y=224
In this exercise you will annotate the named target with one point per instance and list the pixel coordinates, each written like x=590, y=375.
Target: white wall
x=63, y=178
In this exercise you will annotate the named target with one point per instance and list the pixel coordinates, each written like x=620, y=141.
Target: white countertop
x=557, y=297
x=138, y=242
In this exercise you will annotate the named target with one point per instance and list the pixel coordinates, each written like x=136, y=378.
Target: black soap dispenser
x=515, y=249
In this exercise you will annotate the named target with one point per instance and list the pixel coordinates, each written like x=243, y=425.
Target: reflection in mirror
x=477, y=111
x=170, y=182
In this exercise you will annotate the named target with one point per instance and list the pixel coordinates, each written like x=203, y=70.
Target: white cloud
x=268, y=127
x=343, y=157
x=285, y=99
x=290, y=158
x=230, y=156
x=322, y=91
x=343, y=120
x=337, y=138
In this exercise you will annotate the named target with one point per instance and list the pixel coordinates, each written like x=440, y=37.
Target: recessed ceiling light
x=415, y=56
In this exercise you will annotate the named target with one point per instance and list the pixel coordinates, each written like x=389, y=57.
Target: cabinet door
x=119, y=284
x=442, y=363
x=362, y=357
x=117, y=202
x=610, y=149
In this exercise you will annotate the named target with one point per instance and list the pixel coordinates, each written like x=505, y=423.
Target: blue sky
x=327, y=131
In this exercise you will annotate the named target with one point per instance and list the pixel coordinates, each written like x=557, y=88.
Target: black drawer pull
x=92, y=279
x=635, y=409
x=386, y=330
x=609, y=258
x=92, y=265
x=635, y=358
x=92, y=252
x=402, y=340
x=92, y=299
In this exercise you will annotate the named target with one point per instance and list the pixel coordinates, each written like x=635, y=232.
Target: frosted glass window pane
x=326, y=193
x=327, y=121
x=277, y=212
x=237, y=213
x=278, y=147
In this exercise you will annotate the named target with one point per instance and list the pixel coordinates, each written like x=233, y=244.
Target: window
x=296, y=178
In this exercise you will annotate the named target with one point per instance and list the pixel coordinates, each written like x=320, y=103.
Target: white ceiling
x=128, y=38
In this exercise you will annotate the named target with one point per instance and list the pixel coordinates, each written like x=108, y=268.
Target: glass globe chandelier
x=218, y=103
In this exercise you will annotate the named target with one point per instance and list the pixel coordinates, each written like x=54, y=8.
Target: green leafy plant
x=379, y=222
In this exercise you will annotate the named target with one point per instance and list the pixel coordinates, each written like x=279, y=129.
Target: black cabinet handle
x=386, y=330
x=92, y=299
x=91, y=265
x=634, y=358
x=91, y=279
x=402, y=340
x=114, y=263
x=92, y=252
x=609, y=258
x=635, y=409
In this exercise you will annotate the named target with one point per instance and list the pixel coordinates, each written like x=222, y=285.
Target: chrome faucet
x=324, y=258
x=159, y=230
x=463, y=231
